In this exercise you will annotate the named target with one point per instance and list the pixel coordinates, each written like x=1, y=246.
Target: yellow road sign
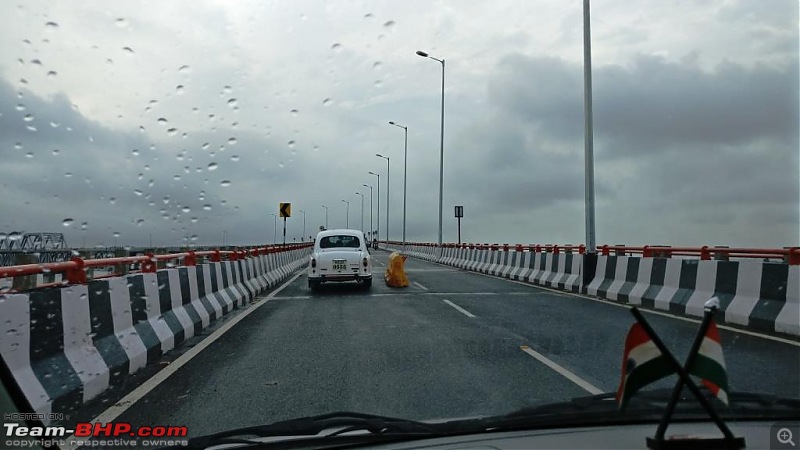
x=286, y=209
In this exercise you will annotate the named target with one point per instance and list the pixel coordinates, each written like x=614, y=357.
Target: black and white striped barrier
x=65, y=346
x=759, y=295
x=763, y=296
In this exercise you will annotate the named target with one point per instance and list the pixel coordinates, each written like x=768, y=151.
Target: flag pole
x=682, y=374
x=708, y=314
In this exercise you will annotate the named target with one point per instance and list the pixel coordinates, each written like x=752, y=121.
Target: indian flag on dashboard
x=709, y=364
x=642, y=364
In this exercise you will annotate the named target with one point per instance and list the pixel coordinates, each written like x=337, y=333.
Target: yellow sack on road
x=395, y=274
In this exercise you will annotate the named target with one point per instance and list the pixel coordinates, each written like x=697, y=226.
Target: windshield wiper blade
x=311, y=426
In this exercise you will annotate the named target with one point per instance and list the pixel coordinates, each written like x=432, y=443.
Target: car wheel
x=366, y=284
x=313, y=285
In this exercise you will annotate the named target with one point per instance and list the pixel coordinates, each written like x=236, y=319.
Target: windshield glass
x=165, y=168
x=339, y=241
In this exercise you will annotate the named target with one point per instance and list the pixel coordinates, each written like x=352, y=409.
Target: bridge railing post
x=76, y=275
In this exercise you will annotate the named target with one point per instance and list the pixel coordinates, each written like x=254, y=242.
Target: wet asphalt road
x=449, y=345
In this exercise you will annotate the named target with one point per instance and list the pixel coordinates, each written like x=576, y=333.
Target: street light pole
x=378, y=222
x=274, y=228
x=347, y=223
x=370, y=211
x=303, y=236
x=362, y=210
x=441, y=150
x=326, y=216
x=387, y=192
x=405, y=176
x=588, y=136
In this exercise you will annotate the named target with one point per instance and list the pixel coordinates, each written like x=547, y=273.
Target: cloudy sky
x=182, y=120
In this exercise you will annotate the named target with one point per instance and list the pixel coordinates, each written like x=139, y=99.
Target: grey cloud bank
x=696, y=135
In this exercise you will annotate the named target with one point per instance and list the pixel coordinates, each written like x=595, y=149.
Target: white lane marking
x=583, y=384
x=625, y=305
x=460, y=309
x=134, y=396
x=420, y=286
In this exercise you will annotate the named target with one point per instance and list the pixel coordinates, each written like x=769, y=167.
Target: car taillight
x=365, y=262
x=313, y=262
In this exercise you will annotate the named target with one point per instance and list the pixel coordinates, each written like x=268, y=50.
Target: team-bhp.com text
x=86, y=434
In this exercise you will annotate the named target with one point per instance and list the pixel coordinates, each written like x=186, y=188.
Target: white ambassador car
x=340, y=255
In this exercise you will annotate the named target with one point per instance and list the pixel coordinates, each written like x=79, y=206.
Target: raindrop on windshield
x=51, y=25
x=212, y=166
x=116, y=234
x=162, y=121
x=184, y=69
x=232, y=102
x=179, y=89
x=205, y=146
x=225, y=183
x=232, y=141
x=294, y=112
x=120, y=22
x=138, y=192
x=29, y=155
x=112, y=200
x=84, y=226
x=207, y=207
x=172, y=131
x=389, y=24
x=327, y=102
x=377, y=65
x=290, y=144
x=28, y=117
x=337, y=47
x=52, y=74
x=368, y=16
x=135, y=152
x=55, y=152
x=67, y=222
x=234, y=158
x=128, y=49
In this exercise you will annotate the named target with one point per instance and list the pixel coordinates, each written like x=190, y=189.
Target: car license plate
x=339, y=264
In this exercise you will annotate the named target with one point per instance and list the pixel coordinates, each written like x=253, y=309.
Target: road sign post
x=286, y=211
x=459, y=215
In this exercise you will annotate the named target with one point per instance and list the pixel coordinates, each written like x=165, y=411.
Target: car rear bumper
x=338, y=278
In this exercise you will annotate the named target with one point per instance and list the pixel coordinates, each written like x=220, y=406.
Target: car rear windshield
x=339, y=241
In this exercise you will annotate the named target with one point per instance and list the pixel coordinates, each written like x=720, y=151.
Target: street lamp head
x=421, y=53
x=391, y=123
x=379, y=155
x=373, y=173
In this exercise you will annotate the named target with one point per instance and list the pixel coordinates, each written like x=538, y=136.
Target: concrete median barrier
x=66, y=346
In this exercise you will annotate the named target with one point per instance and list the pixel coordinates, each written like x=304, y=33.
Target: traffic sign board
x=459, y=211
x=286, y=209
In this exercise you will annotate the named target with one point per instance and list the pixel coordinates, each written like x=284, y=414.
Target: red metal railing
x=790, y=255
x=74, y=270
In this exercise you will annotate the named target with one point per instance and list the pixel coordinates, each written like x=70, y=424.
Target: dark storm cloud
x=672, y=141
x=654, y=103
